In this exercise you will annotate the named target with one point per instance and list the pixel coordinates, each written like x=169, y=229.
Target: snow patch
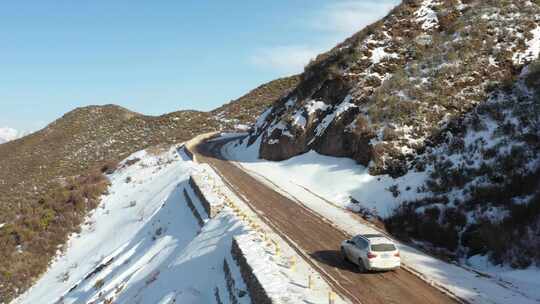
x=338, y=111
x=298, y=119
x=279, y=126
x=532, y=51
x=290, y=103
x=426, y=15
x=262, y=118
x=379, y=54
x=527, y=279
x=242, y=127
x=313, y=106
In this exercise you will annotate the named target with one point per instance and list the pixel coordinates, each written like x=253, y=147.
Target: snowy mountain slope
x=149, y=245
x=143, y=244
x=41, y=198
x=482, y=179
x=379, y=96
x=326, y=185
x=9, y=134
x=472, y=198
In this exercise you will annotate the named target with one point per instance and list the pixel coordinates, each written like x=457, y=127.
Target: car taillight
x=371, y=255
x=396, y=254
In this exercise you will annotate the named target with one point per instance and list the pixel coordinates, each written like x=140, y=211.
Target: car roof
x=376, y=239
x=380, y=240
x=370, y=236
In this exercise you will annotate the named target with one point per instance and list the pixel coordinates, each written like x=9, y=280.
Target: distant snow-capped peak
x=9, y=134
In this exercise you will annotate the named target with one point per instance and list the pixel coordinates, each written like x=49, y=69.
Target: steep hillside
x=378, y=96
x=136, y=247
x=482, y=190
x=440, y=89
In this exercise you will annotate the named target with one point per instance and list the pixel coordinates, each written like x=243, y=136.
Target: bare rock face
x=282, y=148
x=379, y=96
x=292, y=136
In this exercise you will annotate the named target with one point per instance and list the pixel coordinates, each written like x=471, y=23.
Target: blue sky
x=155, y=57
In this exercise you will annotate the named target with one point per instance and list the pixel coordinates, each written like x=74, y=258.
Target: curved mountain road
x=318, y=240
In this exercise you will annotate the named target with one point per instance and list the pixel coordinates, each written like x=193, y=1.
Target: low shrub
x=109, y=167
x=408, y=224
x=41, y=227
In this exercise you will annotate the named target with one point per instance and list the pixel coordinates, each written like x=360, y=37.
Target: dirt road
x=320, y=240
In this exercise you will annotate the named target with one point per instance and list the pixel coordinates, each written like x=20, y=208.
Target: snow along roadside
x=462, y=283
x=283, y=274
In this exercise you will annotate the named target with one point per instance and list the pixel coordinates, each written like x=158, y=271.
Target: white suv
x=371, y=252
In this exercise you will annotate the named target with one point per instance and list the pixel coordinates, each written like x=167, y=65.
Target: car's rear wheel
x=344, y=254
x=361, y=266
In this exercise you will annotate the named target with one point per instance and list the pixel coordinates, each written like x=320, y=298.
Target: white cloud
x=9, y=134
x=284, y=59
x=332, y=24
x=348, y=17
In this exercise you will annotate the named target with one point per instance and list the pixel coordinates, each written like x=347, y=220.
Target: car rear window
x=383, y=247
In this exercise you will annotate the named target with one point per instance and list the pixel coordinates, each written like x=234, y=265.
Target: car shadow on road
x=334, y=259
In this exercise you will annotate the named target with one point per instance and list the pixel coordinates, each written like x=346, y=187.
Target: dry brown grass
x=28, y=241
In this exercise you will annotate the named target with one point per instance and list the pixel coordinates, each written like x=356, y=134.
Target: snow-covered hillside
x=333, y=187
x=142, y=244
x=9, y=134
x=381, y=95
x=145, y=244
